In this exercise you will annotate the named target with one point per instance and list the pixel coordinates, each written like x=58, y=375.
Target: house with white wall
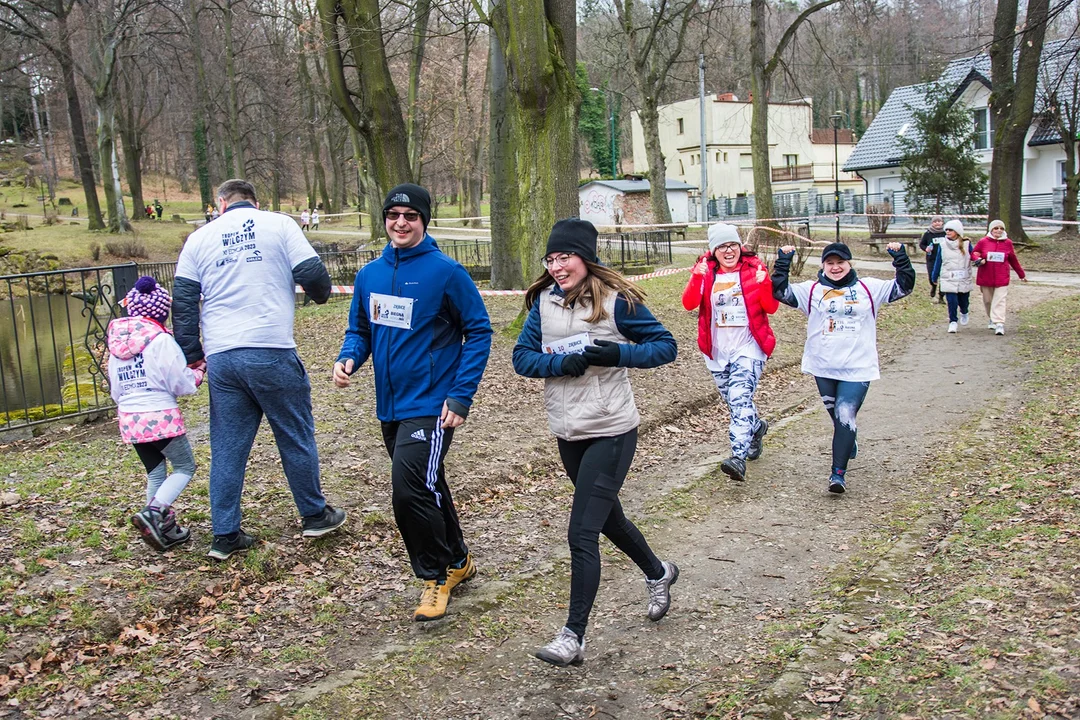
x=627, y=202
x=877, y=156
x=800, y=156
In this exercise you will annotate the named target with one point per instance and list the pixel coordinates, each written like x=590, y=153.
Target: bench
x=878, y=241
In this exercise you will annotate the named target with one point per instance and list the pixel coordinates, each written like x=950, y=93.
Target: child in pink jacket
x=147, y=372
x=991, y=255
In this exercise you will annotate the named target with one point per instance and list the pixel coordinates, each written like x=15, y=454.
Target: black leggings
x=598, y=468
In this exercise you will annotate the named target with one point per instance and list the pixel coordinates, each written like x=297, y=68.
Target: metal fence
x=635, y=249
x=52, y=341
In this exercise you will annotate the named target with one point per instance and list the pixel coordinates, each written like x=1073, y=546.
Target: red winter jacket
x=758, y=297
x=995, y=274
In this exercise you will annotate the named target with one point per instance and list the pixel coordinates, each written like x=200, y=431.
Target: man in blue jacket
x=418, y=315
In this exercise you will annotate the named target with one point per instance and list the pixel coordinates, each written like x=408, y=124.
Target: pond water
x=35, y=336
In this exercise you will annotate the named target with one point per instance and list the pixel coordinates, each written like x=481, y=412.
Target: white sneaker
x=991, y=326
x=999, y=329
x=564, y=650
x=952, y=327
x=963, y=318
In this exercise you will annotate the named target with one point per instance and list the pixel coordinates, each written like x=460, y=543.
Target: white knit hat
x=721, y=233
x=995, y=224
x=956, y=226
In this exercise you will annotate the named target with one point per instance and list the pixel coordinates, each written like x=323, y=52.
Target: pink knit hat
x=148, y=299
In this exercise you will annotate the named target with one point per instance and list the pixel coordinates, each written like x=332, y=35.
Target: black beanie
x=839, y=249
x=410, y=196
x=573, y=235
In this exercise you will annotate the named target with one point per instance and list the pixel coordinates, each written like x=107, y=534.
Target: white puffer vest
x=600, y=403
x=956, y=274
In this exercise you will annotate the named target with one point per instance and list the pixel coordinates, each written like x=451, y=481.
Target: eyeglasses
x=559, y=260
x=393, y=215
x=728, y=247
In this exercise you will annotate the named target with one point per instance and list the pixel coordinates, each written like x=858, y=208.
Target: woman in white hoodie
x=952, y=272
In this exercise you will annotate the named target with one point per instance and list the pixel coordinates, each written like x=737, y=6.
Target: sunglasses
x=393, y=215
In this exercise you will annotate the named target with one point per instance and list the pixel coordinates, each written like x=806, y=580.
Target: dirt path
x=748, y=554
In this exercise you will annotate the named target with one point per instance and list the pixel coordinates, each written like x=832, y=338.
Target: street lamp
x=835, y=117
x=611, y=111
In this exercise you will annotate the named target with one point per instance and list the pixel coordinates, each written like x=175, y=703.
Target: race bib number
x=573, y=345
x=842, y=325
x=390, y=310
x=958, y=274
x=995, y=257
x=729, y=308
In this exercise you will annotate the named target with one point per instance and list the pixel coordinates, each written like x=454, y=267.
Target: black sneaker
x=734, y=468
x=837, y=484
x=758, y=437
x=159, y=530
x=225, y=546
x=327, y=521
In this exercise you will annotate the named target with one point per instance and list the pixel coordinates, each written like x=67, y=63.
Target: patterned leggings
x=737, y=383
x=842, y=399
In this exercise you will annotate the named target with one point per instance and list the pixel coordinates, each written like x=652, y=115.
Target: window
x=725, y=157
x=680, y=126
x=984, y=130
x=692, y=160
x=1062, y=172
x=746, y=161
x=791, y=160
x=682, y=170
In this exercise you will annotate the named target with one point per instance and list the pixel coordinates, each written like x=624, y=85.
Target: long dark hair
x=593, y=290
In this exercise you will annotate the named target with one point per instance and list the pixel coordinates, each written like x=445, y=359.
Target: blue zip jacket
x=442, y=355
x=655, y=346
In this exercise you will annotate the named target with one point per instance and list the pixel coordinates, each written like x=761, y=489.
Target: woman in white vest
x=952, y=272
x=586, y=325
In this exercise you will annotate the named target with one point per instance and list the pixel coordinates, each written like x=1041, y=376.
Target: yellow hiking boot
x=433, y=601
x=460, y=575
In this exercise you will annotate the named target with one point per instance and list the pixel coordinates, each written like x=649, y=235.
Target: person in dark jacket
x=928, y=245
x=246, y=266
x=731, y=290
x=586, y=325
x=419, y=317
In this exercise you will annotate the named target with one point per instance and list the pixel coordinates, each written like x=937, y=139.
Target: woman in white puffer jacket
x=953, y=272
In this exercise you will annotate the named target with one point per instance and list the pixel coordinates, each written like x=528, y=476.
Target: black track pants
x=423, y=508
x=598, y=468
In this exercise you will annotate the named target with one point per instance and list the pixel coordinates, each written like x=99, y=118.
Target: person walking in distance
x=147, y=372
x=952, y=272
x=841, y=336
x=586, y=325
x=315, y=219
x=305, y=220
x=245, y=267
x=928, y=246
x=732, y=292
x=994, y=255
x=419, y=317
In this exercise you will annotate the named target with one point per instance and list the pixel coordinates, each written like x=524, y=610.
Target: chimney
x=727, y=97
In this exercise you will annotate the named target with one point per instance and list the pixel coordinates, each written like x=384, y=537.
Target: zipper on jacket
x=389, y=381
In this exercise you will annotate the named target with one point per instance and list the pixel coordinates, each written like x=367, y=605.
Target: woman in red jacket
x=732, y=292
x=993, y=255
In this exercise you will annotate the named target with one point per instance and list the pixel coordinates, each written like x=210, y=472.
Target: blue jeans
x=842, y=399
x=957, y=299
x=245, y=384
x=737, y=383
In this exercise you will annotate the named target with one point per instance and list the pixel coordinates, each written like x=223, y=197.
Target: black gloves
x=574, y=365
x=604, y=353
x=781, y=255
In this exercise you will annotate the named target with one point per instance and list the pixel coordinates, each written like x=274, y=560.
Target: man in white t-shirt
x=246, y=266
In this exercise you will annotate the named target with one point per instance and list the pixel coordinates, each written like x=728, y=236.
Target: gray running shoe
x=225, y=546
x=660, y=591
x=734, y=468
x=329, y=520
x=564, y=650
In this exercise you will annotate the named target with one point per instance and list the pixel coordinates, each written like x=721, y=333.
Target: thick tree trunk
x=110, y=165
x=533, y=141
x=78, y=128
x=45, y=152
x=378, y=116
x=760, y=81
x=237, y=166
x=131, y=140
x=201, y=109
x=422, y=8
x=650, y=128
x=1013, y=103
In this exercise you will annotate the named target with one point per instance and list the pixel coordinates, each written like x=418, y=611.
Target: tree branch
x=789, y=34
